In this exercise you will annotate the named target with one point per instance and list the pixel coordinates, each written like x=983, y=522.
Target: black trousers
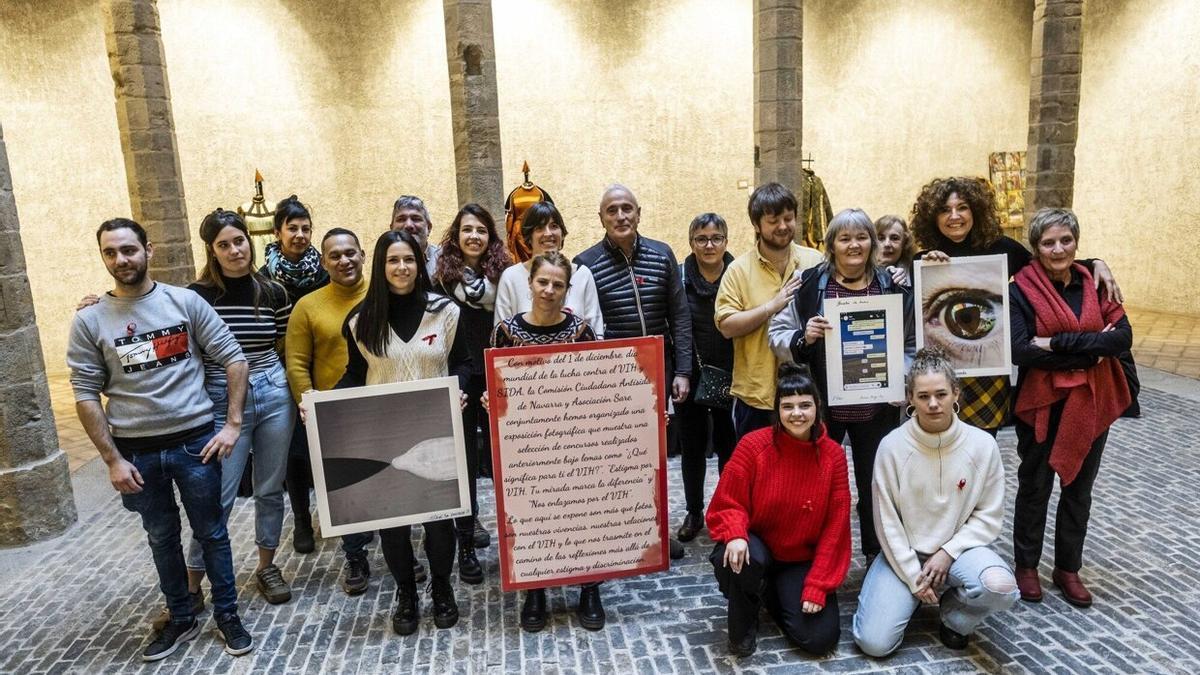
x=473, y=416
x=779, y=585
x=396, y=543
x=747, y=418
x=1035, y=482
x=299, y=481
x=698, y=426
x=864, y=442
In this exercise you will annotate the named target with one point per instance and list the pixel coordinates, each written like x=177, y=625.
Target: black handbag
x=712, y=389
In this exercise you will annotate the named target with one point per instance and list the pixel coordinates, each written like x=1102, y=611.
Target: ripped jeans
x=978, y=584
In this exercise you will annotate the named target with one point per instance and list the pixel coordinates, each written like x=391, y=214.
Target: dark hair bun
x=792, y=369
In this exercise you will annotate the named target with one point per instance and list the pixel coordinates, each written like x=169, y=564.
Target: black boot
x=952, y=638
x=533, y=612
x=692, y=524
x=469, y=569
x=302, y=534
x=482, y=538
x=405, y=616
x=591, y=610
x=445, y=609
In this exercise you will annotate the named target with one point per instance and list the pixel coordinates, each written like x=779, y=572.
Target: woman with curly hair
x=957, y=217
x=471, y=261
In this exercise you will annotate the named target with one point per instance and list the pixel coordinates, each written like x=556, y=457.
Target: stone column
x=474, y=108
x=778, y=85
x=1055, y=67
x=139, y=72
x=36, y=500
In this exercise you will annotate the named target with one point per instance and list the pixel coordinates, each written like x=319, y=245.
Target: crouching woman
x=939, y=503
x=781, y=520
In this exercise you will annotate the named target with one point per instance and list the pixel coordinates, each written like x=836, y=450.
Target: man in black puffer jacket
x=638, y=284
x=640, y=293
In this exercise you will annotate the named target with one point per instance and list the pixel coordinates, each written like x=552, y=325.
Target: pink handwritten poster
x=579, y=443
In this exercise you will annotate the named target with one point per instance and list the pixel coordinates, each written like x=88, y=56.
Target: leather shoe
x=1029, y=584
x=533, y=611
x=692, y=524
x=590, y=610
x=677, y=551
x=745, y=646
x=952, y=638
x=1072, y=588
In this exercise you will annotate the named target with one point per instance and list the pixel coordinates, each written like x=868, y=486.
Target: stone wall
x=60, y=125
x=345, y=104
x=898, y=92
x=655, y=94
x=1137, y=165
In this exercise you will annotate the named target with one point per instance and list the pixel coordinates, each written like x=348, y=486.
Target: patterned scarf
x=476, y=291
x=302, y=275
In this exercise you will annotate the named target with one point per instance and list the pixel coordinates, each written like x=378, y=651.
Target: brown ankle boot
x=1029, y=584
x=1072, y=588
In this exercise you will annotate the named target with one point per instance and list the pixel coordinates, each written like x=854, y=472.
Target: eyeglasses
x=717, y=240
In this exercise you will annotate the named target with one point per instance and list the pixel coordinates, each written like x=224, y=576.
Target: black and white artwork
x=387, y=455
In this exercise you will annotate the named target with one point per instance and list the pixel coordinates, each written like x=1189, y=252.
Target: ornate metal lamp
x=259, y=217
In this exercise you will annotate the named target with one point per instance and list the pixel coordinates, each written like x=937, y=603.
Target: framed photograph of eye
x=387, y=455
x=868, y=341
x=963, y=308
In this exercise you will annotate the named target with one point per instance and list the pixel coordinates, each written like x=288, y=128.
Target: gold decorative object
x=259, y=217
x=518, y=202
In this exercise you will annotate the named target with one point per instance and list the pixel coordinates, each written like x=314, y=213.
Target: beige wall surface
x=1137, y=162
x=60, y=126
x=899, y=92
x=657, y=95
x=345, y=104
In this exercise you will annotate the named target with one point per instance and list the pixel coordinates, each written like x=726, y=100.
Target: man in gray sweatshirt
x=141, y=346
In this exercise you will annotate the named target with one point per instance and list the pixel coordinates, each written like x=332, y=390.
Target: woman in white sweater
x=544, y=231
x=938, y=503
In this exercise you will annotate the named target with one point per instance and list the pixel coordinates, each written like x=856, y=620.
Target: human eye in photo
x=964, y=321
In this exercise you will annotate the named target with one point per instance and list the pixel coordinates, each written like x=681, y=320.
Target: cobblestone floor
x=85, y=605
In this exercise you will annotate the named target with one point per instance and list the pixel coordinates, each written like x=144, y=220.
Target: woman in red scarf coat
x=1065, y=340
x=781, y=520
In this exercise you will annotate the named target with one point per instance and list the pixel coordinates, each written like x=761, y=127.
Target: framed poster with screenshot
x=864, y=353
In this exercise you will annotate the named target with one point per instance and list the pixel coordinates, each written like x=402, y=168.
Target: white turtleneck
x=934, y=491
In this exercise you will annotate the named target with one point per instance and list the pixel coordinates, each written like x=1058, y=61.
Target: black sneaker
x=469, y=569
x=357, y=575
x=272, y=585
x=482, y=538
x=237, y=640
x=445, y=609
x=160, y=622
x=167, y=640
x=406, y=615
x=744, y=647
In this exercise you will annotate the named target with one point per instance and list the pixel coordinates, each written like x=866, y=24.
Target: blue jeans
x=979, y=584
x=267, y=421
x=200, y=491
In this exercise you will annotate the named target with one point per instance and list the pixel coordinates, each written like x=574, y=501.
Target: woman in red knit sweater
x=781, y=520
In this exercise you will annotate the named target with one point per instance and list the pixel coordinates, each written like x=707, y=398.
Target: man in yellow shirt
x=758, y=284
x=315, y=356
